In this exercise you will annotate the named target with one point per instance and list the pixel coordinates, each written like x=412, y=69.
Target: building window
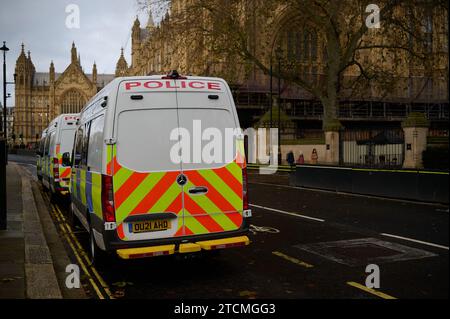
x=72, y=102
x=301, y=46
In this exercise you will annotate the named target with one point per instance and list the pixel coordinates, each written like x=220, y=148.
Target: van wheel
x=98, y=257
x=53, y=197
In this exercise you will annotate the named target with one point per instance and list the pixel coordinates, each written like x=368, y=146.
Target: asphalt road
x=305, y=244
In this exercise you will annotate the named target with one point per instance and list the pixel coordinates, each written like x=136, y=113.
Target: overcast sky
x=105, y=27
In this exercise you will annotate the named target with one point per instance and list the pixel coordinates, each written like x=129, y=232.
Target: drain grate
x=364, y=251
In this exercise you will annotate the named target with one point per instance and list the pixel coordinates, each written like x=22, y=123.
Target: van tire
x=98, y=257
x=53, y=197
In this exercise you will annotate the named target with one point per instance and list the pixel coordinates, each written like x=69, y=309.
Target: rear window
x=210, y=149
x=143, y=140
x=67, y=139
x=147, y=139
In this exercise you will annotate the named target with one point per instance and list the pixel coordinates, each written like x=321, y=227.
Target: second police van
x=130, y=193
x=56, y=140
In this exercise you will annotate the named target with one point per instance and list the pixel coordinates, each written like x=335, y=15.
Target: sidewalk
x=27, y=268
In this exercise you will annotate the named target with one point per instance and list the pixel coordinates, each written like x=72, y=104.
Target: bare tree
x=350, y=57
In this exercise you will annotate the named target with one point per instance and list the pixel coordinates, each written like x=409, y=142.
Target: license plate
x=150, y=226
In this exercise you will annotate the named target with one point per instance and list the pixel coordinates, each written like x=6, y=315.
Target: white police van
x=134, y=187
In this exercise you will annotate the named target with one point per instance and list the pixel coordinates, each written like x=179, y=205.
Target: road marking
x=415, y=241
x=288, y=213
x=371, y=291
x=350, y=194
x=292, y=260
x=77, y=256
x=71, y=239
x=94, y=270
x=263, y=229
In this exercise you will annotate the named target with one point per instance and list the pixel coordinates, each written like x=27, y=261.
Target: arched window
x=72, y=102
x=301, y=44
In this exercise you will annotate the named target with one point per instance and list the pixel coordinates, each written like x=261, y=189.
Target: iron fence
x=372, y=148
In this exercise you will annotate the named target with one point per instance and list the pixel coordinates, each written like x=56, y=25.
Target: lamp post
x=3, y=150
x=5, y=49
x=279, y=56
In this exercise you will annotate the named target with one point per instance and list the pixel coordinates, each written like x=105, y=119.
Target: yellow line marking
x=80, y=261
x=66, y=233
x=94, y=270
x=371, y=291
x=292, y=259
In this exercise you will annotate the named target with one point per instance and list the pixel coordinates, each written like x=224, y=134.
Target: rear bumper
x=57, y=188
x=185, y=248
x=112, y=243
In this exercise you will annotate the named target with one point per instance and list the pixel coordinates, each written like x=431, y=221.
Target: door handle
x=198, y=190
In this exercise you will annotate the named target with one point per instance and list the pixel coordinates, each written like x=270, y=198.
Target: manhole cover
x=360, y=252
x=364, y=251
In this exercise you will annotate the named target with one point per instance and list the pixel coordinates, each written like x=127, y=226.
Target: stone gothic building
x=41, y=96
x=157, y=49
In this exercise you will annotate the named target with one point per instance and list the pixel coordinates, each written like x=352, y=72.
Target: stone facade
x=40, y=97
x=158, y=49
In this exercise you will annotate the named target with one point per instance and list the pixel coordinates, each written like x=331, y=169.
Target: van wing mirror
x=66, y=161
x=77, y=159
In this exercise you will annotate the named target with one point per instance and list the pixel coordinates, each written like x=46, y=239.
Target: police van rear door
x=213, y=194
x=147, y=198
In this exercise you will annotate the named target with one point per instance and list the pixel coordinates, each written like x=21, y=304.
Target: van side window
x=85, y=147
x=41, y=146
x=78, y=146
x=52, y=144
x=46, y=146
x=95, y=148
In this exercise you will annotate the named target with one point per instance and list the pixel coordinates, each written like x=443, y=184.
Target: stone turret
x=135, y=41
x=24, y=69
x=52, y=73
x=151, y=23
x=74, y=58
x=122, y=66
x=94, y=74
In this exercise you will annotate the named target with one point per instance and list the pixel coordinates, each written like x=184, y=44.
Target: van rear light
x=245, y=188
x=56, y=169
x=109, y=214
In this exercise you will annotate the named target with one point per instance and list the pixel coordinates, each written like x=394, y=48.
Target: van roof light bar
x=174, y=75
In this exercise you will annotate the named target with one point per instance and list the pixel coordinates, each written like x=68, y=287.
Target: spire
x=74, y=53
x=30, y=63
x=122, y=65
x=94, y=73
x=137, y=23
x=52, y=72
x=22, y=57
x=151, y=22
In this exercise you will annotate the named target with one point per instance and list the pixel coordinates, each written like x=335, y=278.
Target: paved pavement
x=305, y=244
x=12, y=246
x=29, y=255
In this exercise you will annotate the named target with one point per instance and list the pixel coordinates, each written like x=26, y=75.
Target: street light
x=279, y=57
x=4, y=150
x=5, y=49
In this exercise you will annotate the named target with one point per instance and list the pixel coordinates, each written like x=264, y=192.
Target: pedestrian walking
x=314, y=157
x=291, y=159
x=301, y=159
